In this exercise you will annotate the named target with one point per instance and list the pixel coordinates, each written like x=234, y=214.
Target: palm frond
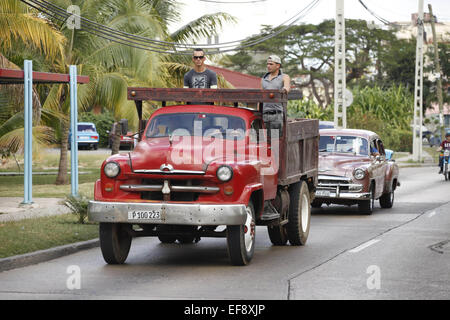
x=206, y=26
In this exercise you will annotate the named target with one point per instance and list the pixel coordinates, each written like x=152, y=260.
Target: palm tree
x=23, y=31
x=113, y=67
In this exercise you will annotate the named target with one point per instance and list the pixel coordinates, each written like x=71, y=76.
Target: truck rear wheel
x=241, y=239
x=277, y=235
x=115, y=242
x=299, y=214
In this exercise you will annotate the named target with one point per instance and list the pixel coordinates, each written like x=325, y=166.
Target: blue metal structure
x=28, y=115
x=74, y=128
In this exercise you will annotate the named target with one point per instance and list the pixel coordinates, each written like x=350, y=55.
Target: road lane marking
x=364, y=246
x=432, y=213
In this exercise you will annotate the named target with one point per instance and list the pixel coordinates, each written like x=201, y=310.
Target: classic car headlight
x=111, y=169
x=224, y=173
x=359, y=174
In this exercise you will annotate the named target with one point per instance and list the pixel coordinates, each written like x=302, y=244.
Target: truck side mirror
x=124, y=126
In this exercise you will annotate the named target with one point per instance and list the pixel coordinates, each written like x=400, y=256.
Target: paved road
x=398, y=253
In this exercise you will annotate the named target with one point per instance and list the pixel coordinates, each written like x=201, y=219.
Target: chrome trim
x=333, y=185
x=347, y=195
x=194, y=214
x=334, y=178
x=142, y=188
x=195, y=189
x=157, y=171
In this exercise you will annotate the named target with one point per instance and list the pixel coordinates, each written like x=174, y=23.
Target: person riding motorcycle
x=445, y=145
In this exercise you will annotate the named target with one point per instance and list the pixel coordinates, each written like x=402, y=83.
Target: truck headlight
x=359, y=174
x=111, y=169
x=224, y=173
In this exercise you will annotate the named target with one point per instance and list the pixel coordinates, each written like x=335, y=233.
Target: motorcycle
x=445, y=169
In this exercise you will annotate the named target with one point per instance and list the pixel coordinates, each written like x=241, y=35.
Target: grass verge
x=29, y=235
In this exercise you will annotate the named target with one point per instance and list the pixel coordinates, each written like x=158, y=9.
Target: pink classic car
x=354, y=168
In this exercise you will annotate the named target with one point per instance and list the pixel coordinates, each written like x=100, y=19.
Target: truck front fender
x=253, y=192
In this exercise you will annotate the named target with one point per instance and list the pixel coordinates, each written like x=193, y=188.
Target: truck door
x=269, y=166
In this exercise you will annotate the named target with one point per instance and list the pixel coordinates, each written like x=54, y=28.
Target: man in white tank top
x=274, y=79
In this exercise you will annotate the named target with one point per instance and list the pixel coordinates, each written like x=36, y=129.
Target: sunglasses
x=198, y=57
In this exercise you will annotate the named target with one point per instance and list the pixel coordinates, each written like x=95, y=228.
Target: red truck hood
x=340, y=164
x=184, y=153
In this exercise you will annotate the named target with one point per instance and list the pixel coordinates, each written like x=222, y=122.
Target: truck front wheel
x=115, y=242
x=241, y=239
x=299, y=214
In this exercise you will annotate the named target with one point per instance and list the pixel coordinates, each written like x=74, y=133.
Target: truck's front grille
x=170, y=190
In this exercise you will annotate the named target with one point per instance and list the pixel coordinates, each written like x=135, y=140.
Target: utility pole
x=340, y=112
x=437, y=67
x=418, y=89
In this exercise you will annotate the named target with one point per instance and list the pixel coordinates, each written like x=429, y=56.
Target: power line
x=378, y=17
x=159, y=46
x=233, y=2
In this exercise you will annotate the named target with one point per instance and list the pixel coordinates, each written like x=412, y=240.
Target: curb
x=36, y=257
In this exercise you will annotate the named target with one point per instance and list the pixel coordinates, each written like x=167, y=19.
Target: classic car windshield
x=199, y=124
x=344, y=144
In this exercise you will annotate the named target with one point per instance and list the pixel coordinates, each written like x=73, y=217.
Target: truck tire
x=241, y=239
x=387, y=199
x=277, y=235
x=185, y=239
x=115, y=242
x=299, y=214
x=366, y=206
x=165, y=238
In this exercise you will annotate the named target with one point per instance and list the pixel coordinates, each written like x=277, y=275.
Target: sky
x=254, y=13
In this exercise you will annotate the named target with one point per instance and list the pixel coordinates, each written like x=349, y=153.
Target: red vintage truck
x=202, y=170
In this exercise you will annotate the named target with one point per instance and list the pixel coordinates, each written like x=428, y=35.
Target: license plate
x=84, y=138
x=145, y=215
x=322, y=193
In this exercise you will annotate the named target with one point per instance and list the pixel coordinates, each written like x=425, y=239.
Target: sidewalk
x=11, y=208
x=407, y=161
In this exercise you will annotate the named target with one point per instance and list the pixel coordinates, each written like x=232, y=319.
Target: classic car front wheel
x=366, y=206
x=241, y=239
x=299, y=214
x=387, y=199
x=115, y=242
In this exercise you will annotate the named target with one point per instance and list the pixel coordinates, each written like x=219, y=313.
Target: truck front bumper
x=167, y=213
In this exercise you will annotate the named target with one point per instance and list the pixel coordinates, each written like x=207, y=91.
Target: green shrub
x=393, y=138
x=102, y=121
x=398, y=140
x=308, y=109
x=78, y=206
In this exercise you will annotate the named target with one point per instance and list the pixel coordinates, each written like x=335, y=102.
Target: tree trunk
x=116, y=139
x=63, y=158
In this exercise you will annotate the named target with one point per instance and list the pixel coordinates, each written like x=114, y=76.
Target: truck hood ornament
x=166, y=167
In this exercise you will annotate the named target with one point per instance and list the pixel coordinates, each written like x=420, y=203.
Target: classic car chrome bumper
x=167, y=213
x=342, y=195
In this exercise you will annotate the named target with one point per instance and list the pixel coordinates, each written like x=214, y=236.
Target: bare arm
x=286, y=82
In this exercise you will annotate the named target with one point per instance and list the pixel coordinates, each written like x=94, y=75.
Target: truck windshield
x=344, y=144
x=198, y=124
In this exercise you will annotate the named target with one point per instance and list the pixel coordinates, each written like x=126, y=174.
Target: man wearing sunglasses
x=200, y=77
